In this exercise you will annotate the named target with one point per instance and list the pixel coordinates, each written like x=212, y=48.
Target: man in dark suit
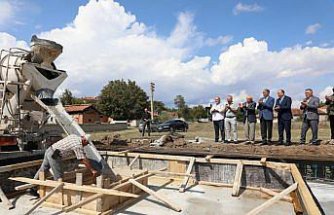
x=310, y=107
x=249, y=118
x=266, y=105
x=283, y=108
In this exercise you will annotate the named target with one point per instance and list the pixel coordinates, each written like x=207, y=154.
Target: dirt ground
x=131, y=140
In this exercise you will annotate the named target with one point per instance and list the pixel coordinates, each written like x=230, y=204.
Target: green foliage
x=198, y=112
x=67, y=98
x=123, y=100
x=159, y=106
x=182, y=108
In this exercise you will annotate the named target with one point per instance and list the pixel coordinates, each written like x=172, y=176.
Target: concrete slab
x=197, y=200
x=324, y=194
x=202, y=199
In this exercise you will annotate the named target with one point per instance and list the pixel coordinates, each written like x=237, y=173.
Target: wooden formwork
x=104, y=197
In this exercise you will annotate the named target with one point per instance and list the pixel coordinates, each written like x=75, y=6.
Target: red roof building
x=86, y=113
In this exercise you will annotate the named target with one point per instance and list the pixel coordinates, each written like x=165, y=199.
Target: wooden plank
x=156, y=195
x=27, y=164
x=237, y=179
x=186, y=178
x=273, y=200
x=69, y=186
x=306, y=197
x=37, y=204
x=25, y=187
x=133, y=161
x=81, y=203
x=171, y=173
x=5, y=200
x=273, y=193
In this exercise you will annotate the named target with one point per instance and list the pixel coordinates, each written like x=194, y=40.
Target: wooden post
x=156, y=195
x=41, y=177
x=78, y=181
x=99, y=184
x=186, y=178
x=37, y=204
x=208, y=157
x=263, y=161
x=237, y=179
x=273, y=200
x=5, y=200
x=133, y=161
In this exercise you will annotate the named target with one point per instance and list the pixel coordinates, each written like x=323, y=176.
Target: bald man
x=249, y=118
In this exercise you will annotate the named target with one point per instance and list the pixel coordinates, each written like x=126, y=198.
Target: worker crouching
x=64, y=148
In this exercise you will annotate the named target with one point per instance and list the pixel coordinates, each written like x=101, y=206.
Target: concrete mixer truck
x=28, y=81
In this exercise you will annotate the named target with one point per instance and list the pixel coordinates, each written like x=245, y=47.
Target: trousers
x=148, y=125
x=266, y=129
x=219, y=128
x=249, y=128
x=231, y=129
x=54, y=164
x=284, y=125
x=306, y=124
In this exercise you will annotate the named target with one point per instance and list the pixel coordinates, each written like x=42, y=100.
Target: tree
x=198, y=112
x=67, y=97
x=182, y=108
x=122, y=100
x=159, y=106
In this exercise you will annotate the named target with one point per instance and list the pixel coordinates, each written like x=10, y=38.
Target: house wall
x=91, y=116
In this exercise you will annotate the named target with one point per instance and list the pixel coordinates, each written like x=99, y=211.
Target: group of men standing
x=224, y=117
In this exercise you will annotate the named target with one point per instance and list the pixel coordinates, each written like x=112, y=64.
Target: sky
x=195, y=48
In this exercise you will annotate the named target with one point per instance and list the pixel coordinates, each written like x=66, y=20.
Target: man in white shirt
x=231, y=110
x=217, y=112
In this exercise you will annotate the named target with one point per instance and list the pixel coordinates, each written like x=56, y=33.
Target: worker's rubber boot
x=33, y=192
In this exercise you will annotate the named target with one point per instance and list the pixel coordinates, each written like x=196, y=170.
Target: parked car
x=154, y=126
x=173, y=125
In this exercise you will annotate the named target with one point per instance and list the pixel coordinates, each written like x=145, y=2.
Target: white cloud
x=126, y=48
x=252, y=59
x=105, y=42
x=221, y=40
x=326, y=92
x=312, y=29
x=308, y=43
x=241, y=8
x=8, y=41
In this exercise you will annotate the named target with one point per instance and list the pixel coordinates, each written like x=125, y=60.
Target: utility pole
x=152, y=108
